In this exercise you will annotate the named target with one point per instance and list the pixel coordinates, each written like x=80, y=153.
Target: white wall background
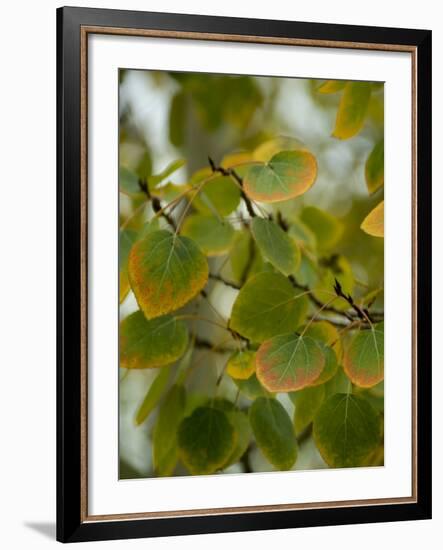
x=27, y=218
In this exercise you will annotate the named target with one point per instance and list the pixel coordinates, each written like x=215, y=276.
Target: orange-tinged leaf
x=374, y=223
x=289, y=362
x=352, y=110
x=287, y=175
x=165, y=272
x=363, y=361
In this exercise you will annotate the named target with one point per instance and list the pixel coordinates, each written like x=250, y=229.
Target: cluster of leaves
x=296, y=326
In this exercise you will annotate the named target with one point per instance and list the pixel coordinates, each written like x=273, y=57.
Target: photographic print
x=251, y=269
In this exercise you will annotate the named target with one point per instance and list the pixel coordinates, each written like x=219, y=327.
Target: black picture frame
x=71, y=524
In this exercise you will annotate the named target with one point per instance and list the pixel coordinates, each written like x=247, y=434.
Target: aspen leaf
x=151, y=343
x=273, y=432
x=206, y=440
x=126, y=239
x=268, y=305
x=307, y=402
x=287, y=175
x=289, y=362
x=327, y=336
x=241, y=365
x=218, y=196
x=374, y=168
x=266, y=150
x=331, y=86
x=363, y=360
x=326, y=228
x=326, y=333
x=339, y=383
x=240, y=422
x=165, y=272
x=346, y=431
x=275, y=245
x=213, y=236
x=352, y=109
x=374, y=223
x=128, y=182
x=241, y=251
x=153, y=395
x=164, y=441
x=302, y=234
x=172, y=167
x=144, y=166
x=251, y=387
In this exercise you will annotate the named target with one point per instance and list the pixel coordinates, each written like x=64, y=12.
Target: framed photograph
x=244, y=274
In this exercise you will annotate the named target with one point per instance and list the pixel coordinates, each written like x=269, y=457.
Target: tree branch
x=364, y=316
x=231, y=172
x=219, y=278
x=156, y=205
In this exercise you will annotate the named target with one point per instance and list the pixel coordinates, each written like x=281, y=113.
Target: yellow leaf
x=352, y=109
x=373, y=224
x=331, y=86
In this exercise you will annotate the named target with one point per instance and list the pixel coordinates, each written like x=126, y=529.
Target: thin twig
x=232, y=173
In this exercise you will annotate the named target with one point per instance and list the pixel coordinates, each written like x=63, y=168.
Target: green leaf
x=164, y=443
x=241, y=365
x=326, y=228
x=374, y=169
x=148, y=344
x=177, y=118
x=128, y=182
x=126, y=238
x=307, y=402
x=251, y=388
x=352, y=109
x=240, y=421
x=240, y=255
x=374, y=223
x=206, y=440
x=213, y=236
x=331, y=86
x=273, y=432
x=346, y=431
x=339, y=383
x=172, y=167
x=166, y=271
x=144, y=166
x=326, y=333
x=289, y=362
x=275, y=245
x=219, y=196
x=302, y=234
x=268, y=305
x=363, y=360
x=153, y=395
x=287, y=175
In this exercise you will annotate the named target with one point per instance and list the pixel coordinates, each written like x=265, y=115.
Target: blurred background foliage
x=165, y=117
